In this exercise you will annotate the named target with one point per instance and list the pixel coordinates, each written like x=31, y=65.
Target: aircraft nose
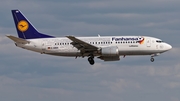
x=168, y=46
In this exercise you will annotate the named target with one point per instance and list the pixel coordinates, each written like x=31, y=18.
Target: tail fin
x=24, y=28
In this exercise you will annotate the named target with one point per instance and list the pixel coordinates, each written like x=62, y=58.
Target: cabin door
x=148, y=42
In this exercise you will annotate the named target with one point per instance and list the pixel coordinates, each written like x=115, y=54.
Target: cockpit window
x=159, y=41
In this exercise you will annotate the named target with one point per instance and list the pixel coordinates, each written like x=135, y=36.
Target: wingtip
x=8, y=36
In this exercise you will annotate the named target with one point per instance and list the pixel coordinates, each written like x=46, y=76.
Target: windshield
x=159, y=41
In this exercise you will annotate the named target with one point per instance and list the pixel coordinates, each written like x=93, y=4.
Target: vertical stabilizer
x=24, y=28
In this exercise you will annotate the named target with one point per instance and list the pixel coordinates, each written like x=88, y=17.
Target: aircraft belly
x=29, y=47
x=65, y=54
x=139, y=52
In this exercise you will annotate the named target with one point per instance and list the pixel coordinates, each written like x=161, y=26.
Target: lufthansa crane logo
x=23, y=26
x=141, y=40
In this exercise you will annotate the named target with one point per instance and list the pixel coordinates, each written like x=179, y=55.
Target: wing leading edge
x=82, y=45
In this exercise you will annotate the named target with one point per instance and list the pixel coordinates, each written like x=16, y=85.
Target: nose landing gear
x=152, y=59
x=153, y=55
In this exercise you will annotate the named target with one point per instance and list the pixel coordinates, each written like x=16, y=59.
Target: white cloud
x=8, y=81
x=120, y=85
x=174, y=84
x=175, y=99
x=58, y=92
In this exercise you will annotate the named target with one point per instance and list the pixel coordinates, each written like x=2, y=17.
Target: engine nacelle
x=109, y=58
x=110, y=51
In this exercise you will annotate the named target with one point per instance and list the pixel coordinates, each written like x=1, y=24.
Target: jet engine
x=110, y=51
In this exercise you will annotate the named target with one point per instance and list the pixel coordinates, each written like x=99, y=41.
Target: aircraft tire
x=91, y=60
x=152, y=59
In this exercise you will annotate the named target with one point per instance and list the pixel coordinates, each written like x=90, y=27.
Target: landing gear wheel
x=91, y=60
x=152, y=59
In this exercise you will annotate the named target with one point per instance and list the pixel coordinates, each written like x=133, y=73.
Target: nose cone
x=168, y=46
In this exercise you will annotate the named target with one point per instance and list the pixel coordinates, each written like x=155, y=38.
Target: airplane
x=107, y=48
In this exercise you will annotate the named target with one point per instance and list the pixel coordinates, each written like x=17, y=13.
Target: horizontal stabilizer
x=18, y=40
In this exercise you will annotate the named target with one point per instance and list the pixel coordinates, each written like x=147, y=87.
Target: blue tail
x=24, y=28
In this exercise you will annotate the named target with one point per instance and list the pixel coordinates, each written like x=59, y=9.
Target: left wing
x=82, y=45
x=18, y=40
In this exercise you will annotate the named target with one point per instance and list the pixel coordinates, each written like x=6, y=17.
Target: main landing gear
x=91, y=60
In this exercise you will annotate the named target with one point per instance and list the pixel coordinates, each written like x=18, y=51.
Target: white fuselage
x=127, y=45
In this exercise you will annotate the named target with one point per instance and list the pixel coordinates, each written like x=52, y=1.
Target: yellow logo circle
x=23, y=25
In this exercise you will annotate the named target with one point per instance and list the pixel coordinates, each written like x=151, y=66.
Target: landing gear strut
x=91, y=60
x=153, y=55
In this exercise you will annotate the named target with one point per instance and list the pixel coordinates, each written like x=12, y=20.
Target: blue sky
x=26, y=75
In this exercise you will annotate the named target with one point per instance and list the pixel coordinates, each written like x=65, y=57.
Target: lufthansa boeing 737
x=107, y=48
